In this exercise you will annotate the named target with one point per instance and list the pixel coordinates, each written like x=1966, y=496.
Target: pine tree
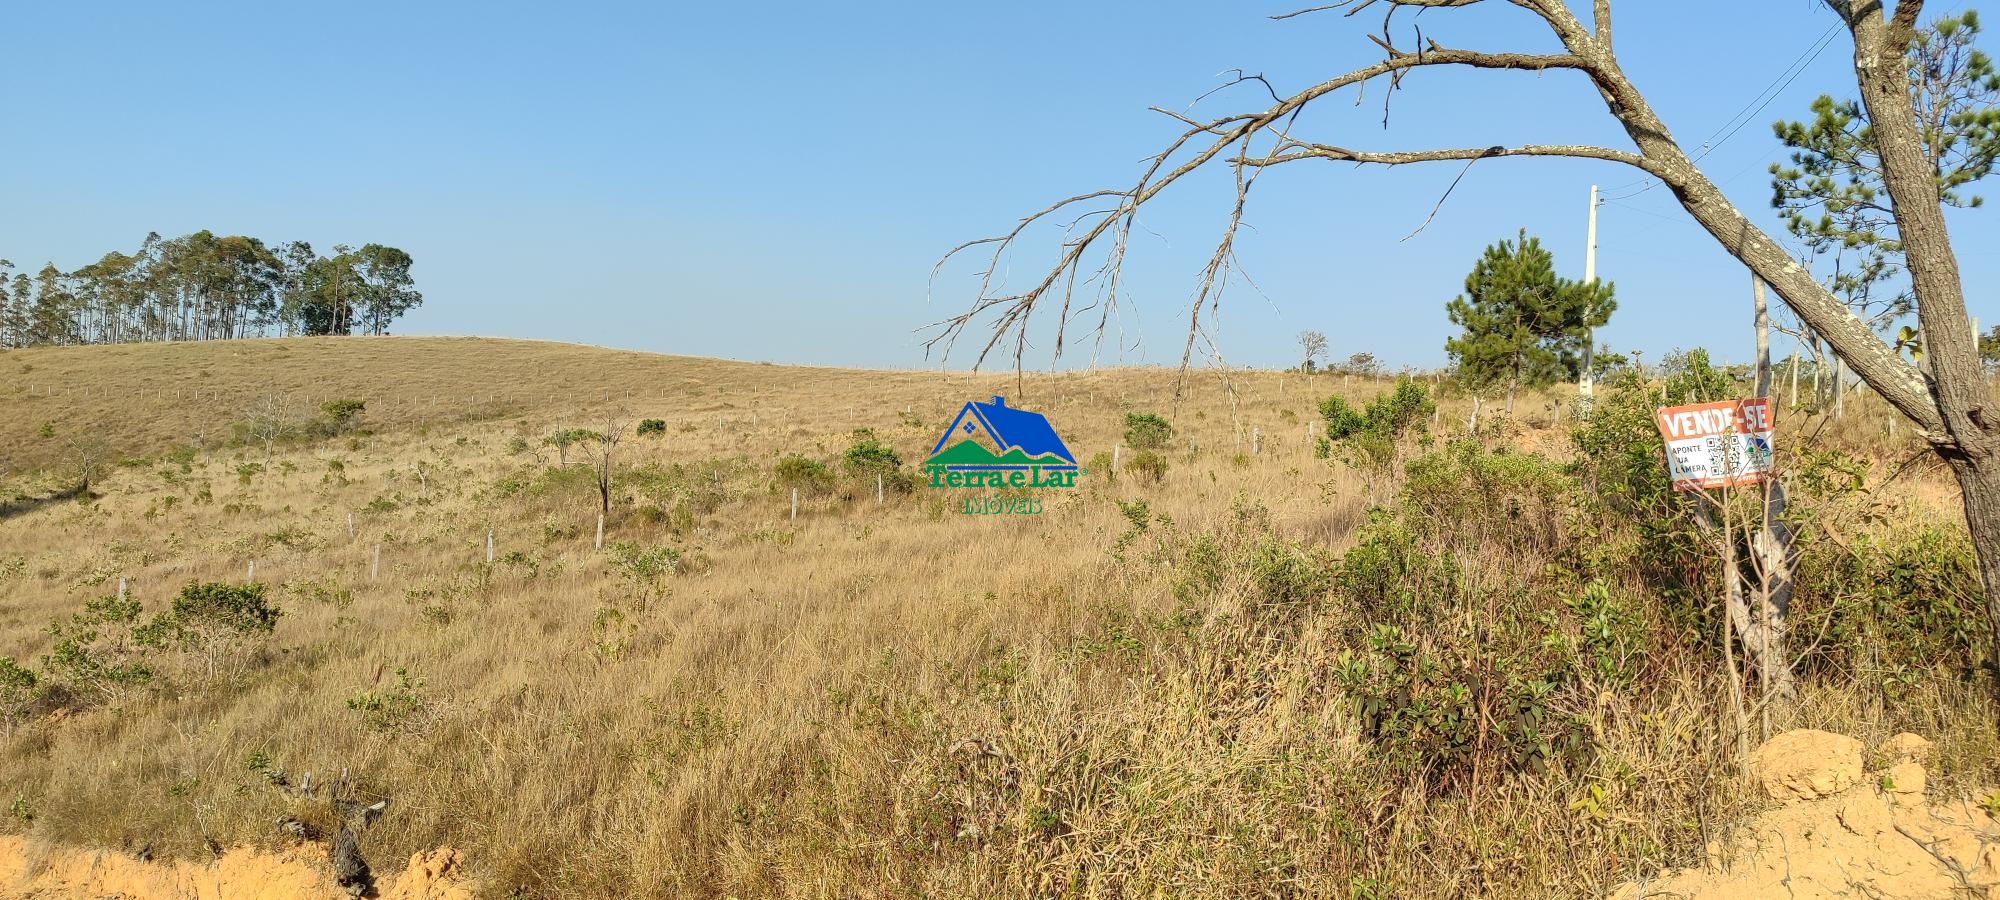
x=1523, y=326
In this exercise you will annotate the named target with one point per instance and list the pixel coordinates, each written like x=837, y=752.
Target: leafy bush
x=809, y=476
x=1371, y=439
x=337, y=417
x=1888, y=602
x=1146, y=431
x=680, y=493
x=97, y=655
x=652, y=426
x=868, y=457
x=211, y=621
x=1148, y=466
x=1444, y=709
x=1450, y=639
x=644, y=565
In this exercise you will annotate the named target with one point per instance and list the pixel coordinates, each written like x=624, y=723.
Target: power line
x=1750, y=110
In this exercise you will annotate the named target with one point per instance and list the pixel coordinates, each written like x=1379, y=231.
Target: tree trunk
x=1839, y=388
x=1819, y=366
x=1771, y=546
x=1794, y=365
x=1948, y=409
x=1962, y=436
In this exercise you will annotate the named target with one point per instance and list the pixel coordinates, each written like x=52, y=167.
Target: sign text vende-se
x=1719, y=444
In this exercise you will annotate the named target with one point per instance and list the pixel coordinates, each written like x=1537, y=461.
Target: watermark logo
x=996, y=446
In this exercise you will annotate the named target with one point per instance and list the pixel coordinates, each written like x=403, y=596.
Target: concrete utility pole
x=1585, y=382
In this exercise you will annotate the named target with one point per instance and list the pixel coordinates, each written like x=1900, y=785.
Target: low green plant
x=651, y=427
x=395, y=709
x=17, y=692
x=1147, y=431
x=1149, y=466
x=325, y=589
x=1100, y=467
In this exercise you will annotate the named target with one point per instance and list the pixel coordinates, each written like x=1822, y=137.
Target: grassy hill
x=145, y=399
x=1149, y=689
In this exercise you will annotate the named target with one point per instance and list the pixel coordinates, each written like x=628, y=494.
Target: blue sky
x=774, y=181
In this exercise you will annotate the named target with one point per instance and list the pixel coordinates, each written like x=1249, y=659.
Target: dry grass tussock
x=1151, y=689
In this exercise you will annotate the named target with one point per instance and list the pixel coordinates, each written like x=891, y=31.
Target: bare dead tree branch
x=1297, y=151
x=1355, y=6
x=1012, y=310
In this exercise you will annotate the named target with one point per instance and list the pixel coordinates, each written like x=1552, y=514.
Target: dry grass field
x=870, y=700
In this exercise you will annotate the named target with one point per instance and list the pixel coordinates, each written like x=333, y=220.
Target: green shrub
x=809, y=476
x=96, y=655
x=1148, y=466
x=1371, y=439
x=1464, y=667
x=867, y=458
x=1342, y=419
x=338, y=417
x=1443, y=708
x=1901, y=600
x=1618, y=448
x=564, y=439
x=1146, y=431
x=395, y=709
x=1100, y=465
x=211, y=621
x=17, y=691
x=644, y=565
x=652, y=426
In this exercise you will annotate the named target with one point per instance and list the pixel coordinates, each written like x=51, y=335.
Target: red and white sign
x=1712, y=445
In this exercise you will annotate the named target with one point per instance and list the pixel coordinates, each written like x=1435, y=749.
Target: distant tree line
x=202, y=286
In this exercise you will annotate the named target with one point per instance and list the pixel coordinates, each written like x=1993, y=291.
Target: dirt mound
x=1834, y=834
x=29, y=872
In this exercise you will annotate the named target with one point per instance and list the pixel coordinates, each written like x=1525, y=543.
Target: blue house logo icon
x=991, y=445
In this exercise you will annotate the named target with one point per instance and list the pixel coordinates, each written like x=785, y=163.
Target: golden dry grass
x=869, y=701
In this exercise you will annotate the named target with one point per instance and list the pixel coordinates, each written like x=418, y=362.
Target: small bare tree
x=1313, y=344
x=600, y=445
x=268, y=422
x=87, y=452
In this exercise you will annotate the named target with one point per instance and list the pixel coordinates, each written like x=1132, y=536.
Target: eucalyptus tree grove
x=202, y=286
x=1946, y=399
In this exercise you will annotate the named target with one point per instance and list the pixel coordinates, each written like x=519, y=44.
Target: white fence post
x=489, y=546
x=251, y=576
x=878, y=489
x=795, y=504
x=375, y=568
x=600, y=533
